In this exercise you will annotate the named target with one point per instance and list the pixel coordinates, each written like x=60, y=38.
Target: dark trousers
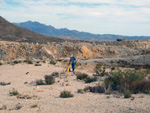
x=73, y=67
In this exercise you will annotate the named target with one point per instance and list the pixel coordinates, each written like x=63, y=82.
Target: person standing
x=73, y=62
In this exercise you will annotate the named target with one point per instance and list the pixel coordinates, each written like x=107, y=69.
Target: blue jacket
x=73, y=60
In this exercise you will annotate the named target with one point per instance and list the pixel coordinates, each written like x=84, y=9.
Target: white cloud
x=114, y=17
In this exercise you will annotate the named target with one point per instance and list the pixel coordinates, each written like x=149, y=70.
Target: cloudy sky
x=123, y=17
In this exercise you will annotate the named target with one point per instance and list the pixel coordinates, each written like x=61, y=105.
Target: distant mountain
x=11, y=32
x=64, y=32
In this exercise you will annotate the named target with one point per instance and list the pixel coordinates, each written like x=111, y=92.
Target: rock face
x=16, y=50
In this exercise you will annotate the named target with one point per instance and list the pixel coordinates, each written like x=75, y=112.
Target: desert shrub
x=37, y=64
x=55, y=74
x=3, y=83
x=1, y=63
x=16, y=62
x=66, y=94
x=29, y=61
x=49, y=79
x=13, y=92
x=52, y=62
x=90, y=79
x=20, y=61
x=122, y=80
x=113, y=68
x=81, y=76
x=40, y=82
x=85, y=77
x=98, y=89
x=100, y=70
x=127, y=94
x=140, y=86
x=107, y=85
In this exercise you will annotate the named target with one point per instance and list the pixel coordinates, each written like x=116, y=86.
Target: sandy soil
x=45, y=98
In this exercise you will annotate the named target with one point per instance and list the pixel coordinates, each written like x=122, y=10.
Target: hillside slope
x=11, y=32
x=64, y=32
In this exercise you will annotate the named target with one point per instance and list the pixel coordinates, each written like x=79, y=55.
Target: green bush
x=49, y=79
x=37, y=64
x=20, y=61
x=13, y=93
x=98, y=89
x=16, y=62
x=122, y=80
x=4, y=84
x=52, y=62
x=81, y=76
x=66, y=94
x=90, y=79
x=100, y=70
x=142, y=86
x=113, y=68
x=127, y=94
x=29, y=61
x=40, y=82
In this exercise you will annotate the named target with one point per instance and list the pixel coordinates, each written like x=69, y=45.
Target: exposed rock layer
x=16, y=50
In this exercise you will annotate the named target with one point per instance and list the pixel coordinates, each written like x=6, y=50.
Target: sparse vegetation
x=98, y=89
x=37, y=64
x=4, y=83
x=127, y=94
x=66, y=94
x=90, y=79
x=40, y=82
x=52, y=62
x=16, y=62
x=85, y=77
x=142, y=86
x=26, y=96
x=29, y=61
x=81, y=76
x=100, y=70
x=14, y=92
x=49, y=79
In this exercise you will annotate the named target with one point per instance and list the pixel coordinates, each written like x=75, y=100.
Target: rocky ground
x=46, y=98
x=82, y=50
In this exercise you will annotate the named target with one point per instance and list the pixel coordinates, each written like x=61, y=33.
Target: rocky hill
x=64, y=32
x=11, y=32
x=124, y=49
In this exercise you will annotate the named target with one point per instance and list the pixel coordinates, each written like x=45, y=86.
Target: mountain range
x=49, y=30
x=11, y=32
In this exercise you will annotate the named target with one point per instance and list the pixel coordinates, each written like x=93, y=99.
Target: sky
x=120, y=17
